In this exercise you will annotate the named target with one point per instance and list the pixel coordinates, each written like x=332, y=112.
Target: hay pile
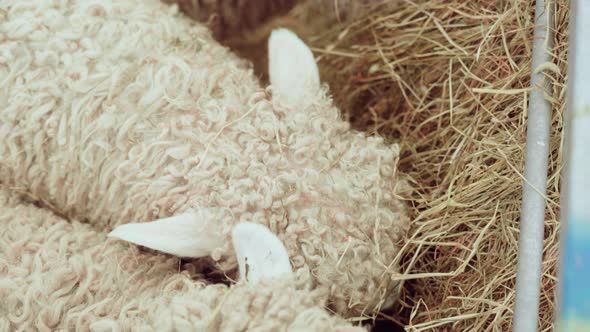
x=449, y=80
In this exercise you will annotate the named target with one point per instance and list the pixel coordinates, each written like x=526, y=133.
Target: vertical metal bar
x=532, y=222
x=573, y=301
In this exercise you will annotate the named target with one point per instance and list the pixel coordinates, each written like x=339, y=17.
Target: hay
x=449, y=81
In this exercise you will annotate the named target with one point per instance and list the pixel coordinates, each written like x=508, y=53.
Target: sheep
x=57, y=274
x=130, y=117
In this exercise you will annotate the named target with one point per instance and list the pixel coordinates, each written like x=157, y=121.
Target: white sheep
x=56, y=275
x=123, y=111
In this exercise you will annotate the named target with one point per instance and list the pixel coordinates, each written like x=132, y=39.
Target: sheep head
x=327, y=191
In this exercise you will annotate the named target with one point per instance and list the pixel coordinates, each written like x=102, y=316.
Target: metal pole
x=532, y=222
x=573, y=307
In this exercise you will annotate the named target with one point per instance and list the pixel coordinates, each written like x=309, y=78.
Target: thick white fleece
x=123, y=111
x=57, y=274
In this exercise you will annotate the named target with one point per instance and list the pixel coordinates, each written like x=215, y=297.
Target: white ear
x=292, y=68
x=185, y=235
x=261, y=255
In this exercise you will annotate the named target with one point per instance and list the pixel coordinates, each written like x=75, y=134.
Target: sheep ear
x=292, y=69
x=261, y=255
x=185, y=235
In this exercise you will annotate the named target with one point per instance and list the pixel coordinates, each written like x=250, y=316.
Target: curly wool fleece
x=57, y=275
x=115, y=112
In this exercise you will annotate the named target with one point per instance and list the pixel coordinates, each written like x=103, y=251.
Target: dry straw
x=449, y=80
